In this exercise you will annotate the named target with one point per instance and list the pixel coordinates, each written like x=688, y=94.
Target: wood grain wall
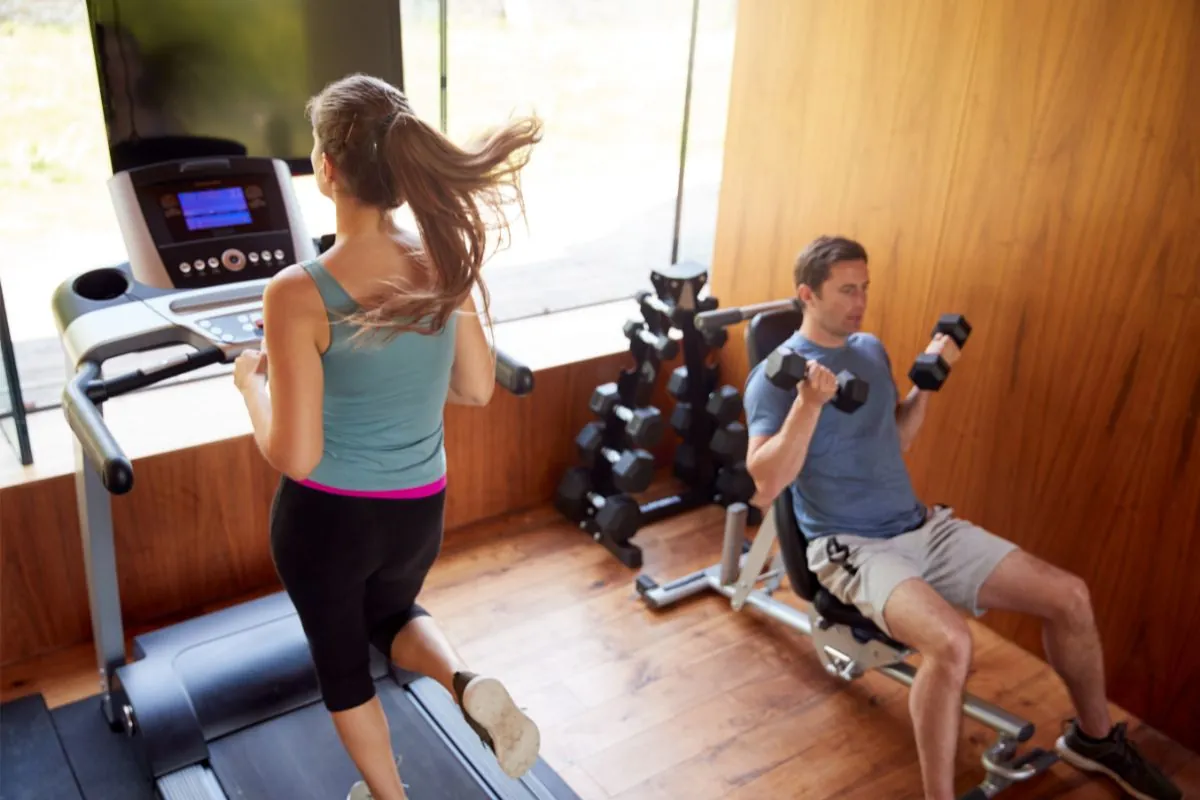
x=194, y=530
x=1035, y=166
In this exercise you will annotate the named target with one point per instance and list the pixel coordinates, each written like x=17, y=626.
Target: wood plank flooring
x=695, y=702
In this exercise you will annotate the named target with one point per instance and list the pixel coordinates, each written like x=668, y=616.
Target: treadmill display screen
x=215, y=208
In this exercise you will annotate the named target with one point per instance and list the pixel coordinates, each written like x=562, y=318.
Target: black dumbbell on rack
x=643, y=426
x=632, y=470
x=730, y=443
x=691, y=467
x=930, y=370
x=679, y=384
x=785, y=368
x=735, y=485
x=664, y=347
x=611, y=520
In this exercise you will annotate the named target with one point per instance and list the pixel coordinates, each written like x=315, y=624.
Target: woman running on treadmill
x=366, y=346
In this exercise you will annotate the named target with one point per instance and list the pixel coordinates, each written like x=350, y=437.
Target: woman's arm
x=473, y=376
x=285, y=404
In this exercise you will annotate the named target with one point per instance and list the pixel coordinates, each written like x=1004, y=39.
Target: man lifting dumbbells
x=907, y=566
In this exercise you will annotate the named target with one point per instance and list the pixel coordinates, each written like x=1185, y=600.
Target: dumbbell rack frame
x=672, y=306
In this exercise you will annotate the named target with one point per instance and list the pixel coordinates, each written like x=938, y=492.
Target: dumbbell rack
x=710, y=457
x=628, y=425
x=704, y=416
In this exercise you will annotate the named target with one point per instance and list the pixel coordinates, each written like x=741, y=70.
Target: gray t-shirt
x=854, y=480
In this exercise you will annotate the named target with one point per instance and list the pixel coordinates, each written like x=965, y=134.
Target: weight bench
x=847, y=643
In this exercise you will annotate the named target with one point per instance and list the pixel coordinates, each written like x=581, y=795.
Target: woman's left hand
x=249, y=364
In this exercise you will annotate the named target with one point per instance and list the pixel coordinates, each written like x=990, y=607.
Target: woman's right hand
x=819, y=385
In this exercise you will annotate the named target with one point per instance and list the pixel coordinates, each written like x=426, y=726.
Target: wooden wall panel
x=1035, y=166
x=194, y=530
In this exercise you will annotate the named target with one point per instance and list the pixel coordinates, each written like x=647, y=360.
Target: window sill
x=148, y=423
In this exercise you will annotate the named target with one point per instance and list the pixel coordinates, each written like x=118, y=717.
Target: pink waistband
x=386, y=494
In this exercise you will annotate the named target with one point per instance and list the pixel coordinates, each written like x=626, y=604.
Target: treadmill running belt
x=299, y=757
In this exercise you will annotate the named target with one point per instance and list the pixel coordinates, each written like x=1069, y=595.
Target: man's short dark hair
x=817, y=259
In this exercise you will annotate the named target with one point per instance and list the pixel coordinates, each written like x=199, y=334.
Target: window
x=608, y=78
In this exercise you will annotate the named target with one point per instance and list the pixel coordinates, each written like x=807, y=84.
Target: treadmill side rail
x=100, y=569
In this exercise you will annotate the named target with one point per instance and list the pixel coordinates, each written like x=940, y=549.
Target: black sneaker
x=1119, y=759
x=500, y=724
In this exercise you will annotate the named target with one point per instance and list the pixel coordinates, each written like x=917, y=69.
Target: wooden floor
x=696, y=702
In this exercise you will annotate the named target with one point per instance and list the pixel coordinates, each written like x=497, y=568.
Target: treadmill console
x=205, y=222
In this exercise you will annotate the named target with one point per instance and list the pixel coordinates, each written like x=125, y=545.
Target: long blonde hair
x=386, y=156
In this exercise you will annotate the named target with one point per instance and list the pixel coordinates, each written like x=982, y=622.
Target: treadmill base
x=299, y=755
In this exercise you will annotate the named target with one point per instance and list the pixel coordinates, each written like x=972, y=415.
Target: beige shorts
x=950, y=554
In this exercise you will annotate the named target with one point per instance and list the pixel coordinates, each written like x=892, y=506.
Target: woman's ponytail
x=458, y=196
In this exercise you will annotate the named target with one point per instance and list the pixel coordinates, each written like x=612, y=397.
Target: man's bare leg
x=1024, y=583
x=919, y=617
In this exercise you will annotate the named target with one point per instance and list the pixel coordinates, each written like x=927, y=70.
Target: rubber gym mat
x=104, y=762
x=33, y=765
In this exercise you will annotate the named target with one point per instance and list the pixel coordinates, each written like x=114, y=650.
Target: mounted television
x=195, y=78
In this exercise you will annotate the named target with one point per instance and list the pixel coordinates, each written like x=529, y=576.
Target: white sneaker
x=359, y=791
x=512, y=735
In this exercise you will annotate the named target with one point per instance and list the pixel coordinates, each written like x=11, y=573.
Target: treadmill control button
x=266, y=255
x=198, y=263
x=213, y=262
x=233, y=259
x=253, y=258
x=279, y=255
x=227, y=337
x=205, y=323
x=185, y=267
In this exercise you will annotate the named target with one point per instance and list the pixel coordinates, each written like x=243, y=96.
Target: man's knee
x=924, y=620
x=949, y=645
x=1073, y=601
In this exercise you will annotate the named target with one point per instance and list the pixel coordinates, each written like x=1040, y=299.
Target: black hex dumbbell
x=716, y=338
x=734, y=484
x=930, y=370
x=664, y=347
x=725, y=404
x=617, y=517
x=681, y=418
x=643, y=426
x=691, y=468
x=730, y=442
x=786, y=368
x=632, y=470
x=679, y=384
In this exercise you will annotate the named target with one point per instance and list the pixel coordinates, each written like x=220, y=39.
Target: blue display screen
x=214, y=208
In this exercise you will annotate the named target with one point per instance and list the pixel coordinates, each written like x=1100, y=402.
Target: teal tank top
x=384, y=402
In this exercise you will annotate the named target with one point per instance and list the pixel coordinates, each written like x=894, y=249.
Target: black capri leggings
x=353, y=567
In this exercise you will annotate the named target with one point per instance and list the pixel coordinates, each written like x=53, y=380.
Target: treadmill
x=227, y=705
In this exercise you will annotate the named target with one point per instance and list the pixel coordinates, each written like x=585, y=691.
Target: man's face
x=839, y=304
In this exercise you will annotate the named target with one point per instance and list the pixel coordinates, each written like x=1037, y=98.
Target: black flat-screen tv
x=195, y=78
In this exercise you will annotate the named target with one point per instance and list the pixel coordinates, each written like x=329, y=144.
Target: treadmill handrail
x=100, y=448
x=512, y=374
